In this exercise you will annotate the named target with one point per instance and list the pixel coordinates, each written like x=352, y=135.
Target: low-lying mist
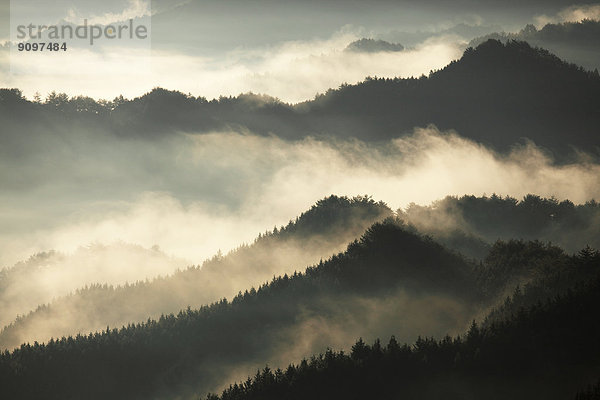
x=195, y=195
x=47, y=276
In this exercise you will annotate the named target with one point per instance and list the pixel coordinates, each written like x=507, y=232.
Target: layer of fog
x=46, y=276
x=193, y=195
x=292, y=71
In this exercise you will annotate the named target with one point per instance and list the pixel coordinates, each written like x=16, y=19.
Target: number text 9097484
x=50, y=46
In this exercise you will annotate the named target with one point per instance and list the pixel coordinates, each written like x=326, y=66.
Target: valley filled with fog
x=402, y=193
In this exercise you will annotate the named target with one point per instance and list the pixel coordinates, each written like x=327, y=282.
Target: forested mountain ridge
x=496, y=94
x=545, y=351
x=469, y=225
x=486, y=219
x=325, y=229
x=551, y=274
x=203, y=347
x=392, y=280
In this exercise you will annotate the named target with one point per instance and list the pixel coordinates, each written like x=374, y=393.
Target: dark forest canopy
x=592, y=392
x=195, y=349
x=488, y=218
x=496, y=94
x=528, y=355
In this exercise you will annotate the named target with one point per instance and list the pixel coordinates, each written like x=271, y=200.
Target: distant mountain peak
x=365, y=45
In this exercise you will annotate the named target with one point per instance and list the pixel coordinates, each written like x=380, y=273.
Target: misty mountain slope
x=514, y=262
x=543, y=280
x=496, y=94
x=468, y=224
x=46, y=276
x=576, y=42
x=547, y=351
x=323, y=230
x=488, y=219
x=389, y=281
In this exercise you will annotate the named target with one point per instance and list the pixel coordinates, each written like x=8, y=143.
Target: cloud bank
x=195, y=194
